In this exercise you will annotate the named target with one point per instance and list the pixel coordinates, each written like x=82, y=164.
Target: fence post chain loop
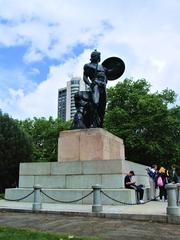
x=97, y=201
x=37, y=204
x=172, y=208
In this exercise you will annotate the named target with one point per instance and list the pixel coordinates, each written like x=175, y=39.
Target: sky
x=43, y=44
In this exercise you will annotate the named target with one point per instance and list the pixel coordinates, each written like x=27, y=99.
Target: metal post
x=172, y=208
x=178, y=193
x=97, y=201
x=37, y=205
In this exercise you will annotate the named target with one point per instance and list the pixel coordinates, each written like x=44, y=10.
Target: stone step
x=123, y=195
x=81, y=168
x=78, y=181
x=79, y=174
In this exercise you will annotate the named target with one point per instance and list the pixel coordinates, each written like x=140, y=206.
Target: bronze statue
x=91, y=104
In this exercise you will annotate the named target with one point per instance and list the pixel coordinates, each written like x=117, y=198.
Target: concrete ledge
x=41, y=168
x=77, y=181
x=82, y=167
x=123, y=195
x=16, y=193
x=26, y=181
x=50, y=181
x=82, y=181
x=102, y=167
x=63, y=168
x=80, y=174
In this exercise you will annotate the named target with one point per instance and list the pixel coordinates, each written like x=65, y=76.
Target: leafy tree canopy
x=150, y=129
x=15, y=147
x=44, y=133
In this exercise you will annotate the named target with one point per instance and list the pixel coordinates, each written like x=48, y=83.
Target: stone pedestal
x=86, y=158
x=70, y=180
x=89, y=144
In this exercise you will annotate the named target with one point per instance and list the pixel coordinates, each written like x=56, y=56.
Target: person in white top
x=152, y=181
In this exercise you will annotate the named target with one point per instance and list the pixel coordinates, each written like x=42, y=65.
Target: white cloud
x=160, y=64
x=50, y=29
x=15, y=94
x=145, y=34
x=34, y=71
x=43, y=100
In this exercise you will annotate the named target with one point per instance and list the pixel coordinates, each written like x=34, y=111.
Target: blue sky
x=44, y=43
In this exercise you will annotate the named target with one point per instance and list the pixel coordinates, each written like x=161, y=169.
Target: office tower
x=62, y=103
x=66, y=104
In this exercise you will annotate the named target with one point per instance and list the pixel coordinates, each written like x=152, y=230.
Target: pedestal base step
x=68, y=195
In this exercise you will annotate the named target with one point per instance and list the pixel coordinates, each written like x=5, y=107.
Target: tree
x=44, y=133
x=15, y=147
x=150, y=129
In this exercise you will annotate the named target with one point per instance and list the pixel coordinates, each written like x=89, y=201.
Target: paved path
x=151, y=208
x=104, y=228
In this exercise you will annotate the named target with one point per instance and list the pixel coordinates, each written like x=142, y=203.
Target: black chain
x=125, y=203
x=154, y=199
x=77, y=200
x=19, y=199
x=105, y=194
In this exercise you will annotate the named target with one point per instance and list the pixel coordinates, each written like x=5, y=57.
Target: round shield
x=115, y=67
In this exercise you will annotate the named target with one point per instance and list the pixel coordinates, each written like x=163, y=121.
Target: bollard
x=37, y=205
x=97, y=201
x=178, y=193
x=172, y=208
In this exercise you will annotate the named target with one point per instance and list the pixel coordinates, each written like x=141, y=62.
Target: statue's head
x=95, y=56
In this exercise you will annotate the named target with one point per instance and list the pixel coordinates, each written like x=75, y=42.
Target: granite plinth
x=89, y=144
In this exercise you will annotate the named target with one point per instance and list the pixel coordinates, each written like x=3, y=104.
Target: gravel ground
x=103, y=228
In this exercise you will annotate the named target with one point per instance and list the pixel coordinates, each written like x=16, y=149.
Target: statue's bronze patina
x=91, y=104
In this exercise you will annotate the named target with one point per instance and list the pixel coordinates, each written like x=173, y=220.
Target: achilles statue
x=91, y=105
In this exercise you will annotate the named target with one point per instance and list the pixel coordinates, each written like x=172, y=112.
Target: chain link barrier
x=77, y=200
x=105, y=194
x=125, y=203
x=18, y=199
x=56, y=200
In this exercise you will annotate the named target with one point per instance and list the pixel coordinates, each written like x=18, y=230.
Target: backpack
x=160, y=181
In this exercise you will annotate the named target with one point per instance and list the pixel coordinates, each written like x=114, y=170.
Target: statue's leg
x=102, y=105
x=95, y=95
x=95, y=105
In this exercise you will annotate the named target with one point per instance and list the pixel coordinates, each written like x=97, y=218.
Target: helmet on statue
x=95, y=56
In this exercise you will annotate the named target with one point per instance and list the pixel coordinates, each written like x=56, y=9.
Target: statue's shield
x=115, y=67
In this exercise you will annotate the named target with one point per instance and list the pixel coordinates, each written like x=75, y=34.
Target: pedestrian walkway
x=152, y=211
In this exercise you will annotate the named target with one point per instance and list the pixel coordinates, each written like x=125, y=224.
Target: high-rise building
x=62, y=103
x=66, y=104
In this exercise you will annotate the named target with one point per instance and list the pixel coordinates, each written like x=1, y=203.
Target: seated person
x=132, y=185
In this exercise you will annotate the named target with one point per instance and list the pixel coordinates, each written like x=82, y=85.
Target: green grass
x=8, y=233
